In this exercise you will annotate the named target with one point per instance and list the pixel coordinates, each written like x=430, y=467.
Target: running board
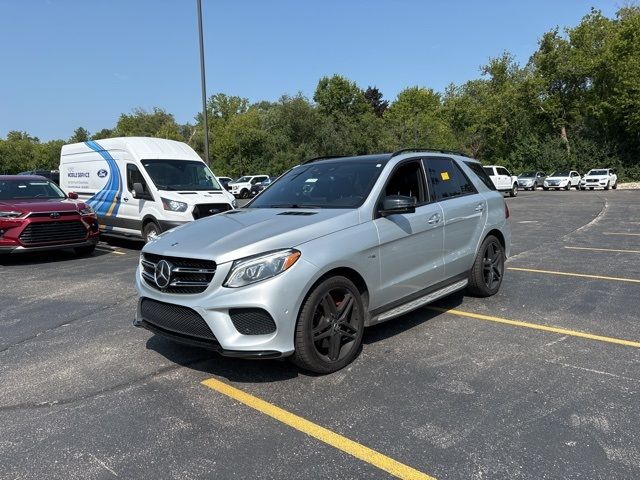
x=418, y=302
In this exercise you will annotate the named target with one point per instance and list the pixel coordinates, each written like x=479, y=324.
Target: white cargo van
x=141, y=186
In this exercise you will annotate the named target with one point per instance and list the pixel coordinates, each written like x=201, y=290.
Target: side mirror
x=395, y=204
x=72, y=195
x=138, y=190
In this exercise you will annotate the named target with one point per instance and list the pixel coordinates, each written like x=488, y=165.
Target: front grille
x=554, y=183
x=50, y=232
x=188, y=275
x=252, y=321
x=176, y=319
x=592, y=180
x=208, y=209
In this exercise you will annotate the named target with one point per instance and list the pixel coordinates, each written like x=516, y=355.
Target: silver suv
x=332, y=246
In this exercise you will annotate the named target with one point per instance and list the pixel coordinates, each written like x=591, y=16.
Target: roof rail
x=323, y=157
x=416, y=149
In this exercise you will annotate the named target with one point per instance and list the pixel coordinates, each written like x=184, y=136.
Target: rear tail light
x=506, y=211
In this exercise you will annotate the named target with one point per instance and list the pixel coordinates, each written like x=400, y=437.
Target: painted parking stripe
x=591, y=249
x=110, y=250
x=536, y=326
x=580, y=275
x=622, y=233
x=344, y=444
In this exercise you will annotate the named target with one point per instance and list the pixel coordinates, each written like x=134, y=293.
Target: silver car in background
x=334, y=245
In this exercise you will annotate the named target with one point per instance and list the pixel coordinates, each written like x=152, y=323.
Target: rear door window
x=481, y=172
x=447, y=179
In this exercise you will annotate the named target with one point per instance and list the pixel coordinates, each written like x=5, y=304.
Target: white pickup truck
x=502, y=179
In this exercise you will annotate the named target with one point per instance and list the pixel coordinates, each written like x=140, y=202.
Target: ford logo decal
x=102, y=173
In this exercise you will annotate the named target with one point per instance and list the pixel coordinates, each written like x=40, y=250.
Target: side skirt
x=413, y=304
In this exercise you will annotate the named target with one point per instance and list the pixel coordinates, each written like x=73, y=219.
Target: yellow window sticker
x=444, y=175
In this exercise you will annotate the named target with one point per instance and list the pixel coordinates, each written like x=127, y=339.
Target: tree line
x=574, y=105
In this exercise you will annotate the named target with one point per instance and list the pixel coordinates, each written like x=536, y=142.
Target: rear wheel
x=568, y=186
x=487, y=271
x=150, y=231
x=85, y=251
x=545, y=188
x=330, y=326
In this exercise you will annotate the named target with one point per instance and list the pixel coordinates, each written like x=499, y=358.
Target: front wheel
x=150, y=231
x=615, y=186
x=606, y=187
x=514, y=190
x=567, y=187
x=330, y=326
x=487, y=271
x=545, y=188
x=244, y=193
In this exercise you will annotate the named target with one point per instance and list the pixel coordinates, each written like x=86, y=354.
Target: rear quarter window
x=481, y=174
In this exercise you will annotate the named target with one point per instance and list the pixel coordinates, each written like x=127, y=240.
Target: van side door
x=129, y=220
x=465, y=213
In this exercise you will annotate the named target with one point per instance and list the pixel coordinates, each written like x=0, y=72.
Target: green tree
x=80, y=134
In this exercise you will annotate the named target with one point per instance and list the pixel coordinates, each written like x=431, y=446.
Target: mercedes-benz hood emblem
x=162, y=273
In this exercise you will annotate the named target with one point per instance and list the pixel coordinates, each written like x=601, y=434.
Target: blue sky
x=83, y=63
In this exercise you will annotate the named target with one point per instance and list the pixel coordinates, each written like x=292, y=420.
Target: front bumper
x=280, y=297
x=41, y=248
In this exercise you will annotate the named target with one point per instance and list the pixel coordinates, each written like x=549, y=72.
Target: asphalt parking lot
x=540, y=381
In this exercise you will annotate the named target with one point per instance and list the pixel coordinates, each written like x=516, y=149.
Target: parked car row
x=596, y=178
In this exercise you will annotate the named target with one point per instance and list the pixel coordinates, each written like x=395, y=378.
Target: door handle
x=479, y=207
x=433, y=219
x=126, y=199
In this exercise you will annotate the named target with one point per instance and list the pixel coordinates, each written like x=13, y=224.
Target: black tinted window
x=407, y=181
x=481, y=172
x=447, y=179
x=134, y=176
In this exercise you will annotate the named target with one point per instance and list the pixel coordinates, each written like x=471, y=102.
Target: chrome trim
x=419, y=302
x=181, y=283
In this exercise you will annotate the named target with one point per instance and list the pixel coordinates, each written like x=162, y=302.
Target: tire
x=568, y=187
x=244, y=193
x=606, y=187
x=514, y=190
x=578, y=186
x=615, y=185
x=85, y=251
x=150, y=231
x=487, y=271
x=326, y=317
x=545, y=189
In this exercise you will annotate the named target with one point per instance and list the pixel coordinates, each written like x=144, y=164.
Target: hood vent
x=187, y=193
x=298, y=213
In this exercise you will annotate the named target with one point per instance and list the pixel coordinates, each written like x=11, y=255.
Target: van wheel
x=244, y=193
x=487, y=271
x=150, y=231
x=329, y=331
x=85, y=251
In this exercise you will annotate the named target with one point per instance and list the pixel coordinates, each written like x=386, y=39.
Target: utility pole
x=204, y=86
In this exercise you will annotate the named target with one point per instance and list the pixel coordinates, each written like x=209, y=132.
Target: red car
x=36, y=215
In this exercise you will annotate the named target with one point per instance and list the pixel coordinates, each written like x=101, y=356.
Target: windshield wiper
x=294, y=205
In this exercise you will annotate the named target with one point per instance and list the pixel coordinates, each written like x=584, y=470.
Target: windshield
x=597, y=172
x=528, y=174
x=243, y=180
x=180, y=175
x=322, y=185
x=27, y=189
x=560, y=174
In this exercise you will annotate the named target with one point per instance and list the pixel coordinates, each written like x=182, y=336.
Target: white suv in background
x=242, y=186
x=502, y=179
x=600, y=177
x=562, y=179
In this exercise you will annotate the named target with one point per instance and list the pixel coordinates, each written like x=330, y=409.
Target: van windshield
x=180, y=175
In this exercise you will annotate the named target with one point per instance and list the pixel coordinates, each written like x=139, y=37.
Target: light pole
x=204, y=86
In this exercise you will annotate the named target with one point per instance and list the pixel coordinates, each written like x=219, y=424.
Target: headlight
x=10, y=214
x=234, y=203
x=87, y=210
x=174, y=205
x=260, y=267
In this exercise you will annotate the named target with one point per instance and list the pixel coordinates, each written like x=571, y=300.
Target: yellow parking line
x=603, y=249
x=581, y=275
x=622, y=233
x=535, y=326
x=103, y=249
x=361, y=452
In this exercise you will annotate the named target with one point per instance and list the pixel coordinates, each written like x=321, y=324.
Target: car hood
x=599, y=177
x=198, y=197
x=241, y=233
x=39, y=205
x=557, y=178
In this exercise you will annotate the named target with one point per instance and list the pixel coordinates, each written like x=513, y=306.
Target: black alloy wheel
x=488, y=268
x=330, y=326
x=244, y=193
